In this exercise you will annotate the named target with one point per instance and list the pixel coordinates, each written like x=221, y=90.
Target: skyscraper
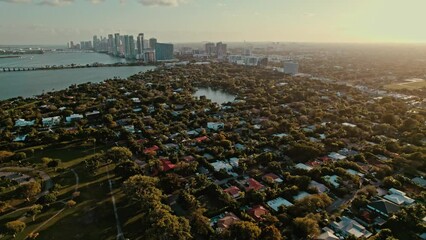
x=116, y=49
x=96, y=43
x=110, y=44
x=152, y=43
x=221, y=49
x=140, y=46
x=210, y=49
x=163, y=51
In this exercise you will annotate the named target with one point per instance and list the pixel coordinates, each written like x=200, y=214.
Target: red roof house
x=252, y=184
x=151, y=150
x=257, y=212
x=233, y=191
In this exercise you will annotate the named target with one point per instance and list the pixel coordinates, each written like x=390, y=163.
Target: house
x=303, y=166
x=333, y=180
x=354, y=173
x=201, y=139
x=73, y=118
x=278, y=202
x=383, y=207
x=301, y=195
x=20, y=138
x=226, y=221
x=234, y=162
x=398, y=197
x=93, y=115
x=215, y=126
x=257, y=212
x=252, y=184
x=23, y=123
x=336, y=156
x=347, y=227
x=240, y=147
x=234, y=191
x=189, y=158
x=321, y=188
x=135, y=100
x=151, y=150
x=167, y=165
x=219, y=165
x=270, y=177
x=51, y=121
x=420, y=181
x=327, y=234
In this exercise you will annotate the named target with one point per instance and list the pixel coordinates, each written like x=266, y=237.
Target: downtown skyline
x=202, y=20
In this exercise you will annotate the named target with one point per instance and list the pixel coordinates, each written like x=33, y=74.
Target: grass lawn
x=91, y=218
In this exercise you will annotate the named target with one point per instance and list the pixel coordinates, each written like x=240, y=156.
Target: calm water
x=217, y=96
x=28, y=84
x=58, y=58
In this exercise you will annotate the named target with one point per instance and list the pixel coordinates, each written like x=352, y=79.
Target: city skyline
x=180, y=21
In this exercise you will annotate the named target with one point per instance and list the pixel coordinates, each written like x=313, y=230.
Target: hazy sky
x=59, y=21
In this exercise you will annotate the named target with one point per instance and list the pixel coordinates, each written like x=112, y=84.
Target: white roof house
x=336, y=156
x=51, y=121
x=218, y=165
x=333, y=180
x=398, y=197
x=74, y=117
x=347, y=227
x=321, y=188
x=23, y=123
x=215, y=125
x=303, y=166
x=278, y=202
x=301, y=195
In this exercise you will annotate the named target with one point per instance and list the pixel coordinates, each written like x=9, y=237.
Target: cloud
x=55, y=3
x=161, y=2
x=96, y=1
x=58, y=3
x=16, y=1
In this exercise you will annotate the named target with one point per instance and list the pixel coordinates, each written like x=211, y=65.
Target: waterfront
x=214, y=95
x=28, y=84
x=59, y=58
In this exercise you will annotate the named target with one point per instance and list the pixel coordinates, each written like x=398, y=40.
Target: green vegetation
x=144, y=159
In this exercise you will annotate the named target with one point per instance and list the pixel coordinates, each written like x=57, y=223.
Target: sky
x=60, y=21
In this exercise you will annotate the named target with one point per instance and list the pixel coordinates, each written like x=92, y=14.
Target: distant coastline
x=9, y=56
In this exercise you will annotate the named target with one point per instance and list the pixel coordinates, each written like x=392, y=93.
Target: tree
x=3, y=206
x=48, y=198
x=117, y=154
x=142, y=189
x=200, y=223
x=71, y=203
x=34, y=210
x=15, y=227
x=244, y=230
x=164, y=225
x=30, y=190
x=54, y=163
x=271, y=233
x=307, y=226
x=126, y=169
x=4, y=155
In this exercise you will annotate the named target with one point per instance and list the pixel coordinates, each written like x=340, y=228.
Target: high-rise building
x=222, y=50
x=291, y=67
x=96, y=43
x=129, y=47
x=210, y=49
x=110, y=44
x=152, y=43
x=163, y=51
x=117, y=45
x=140, y=46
